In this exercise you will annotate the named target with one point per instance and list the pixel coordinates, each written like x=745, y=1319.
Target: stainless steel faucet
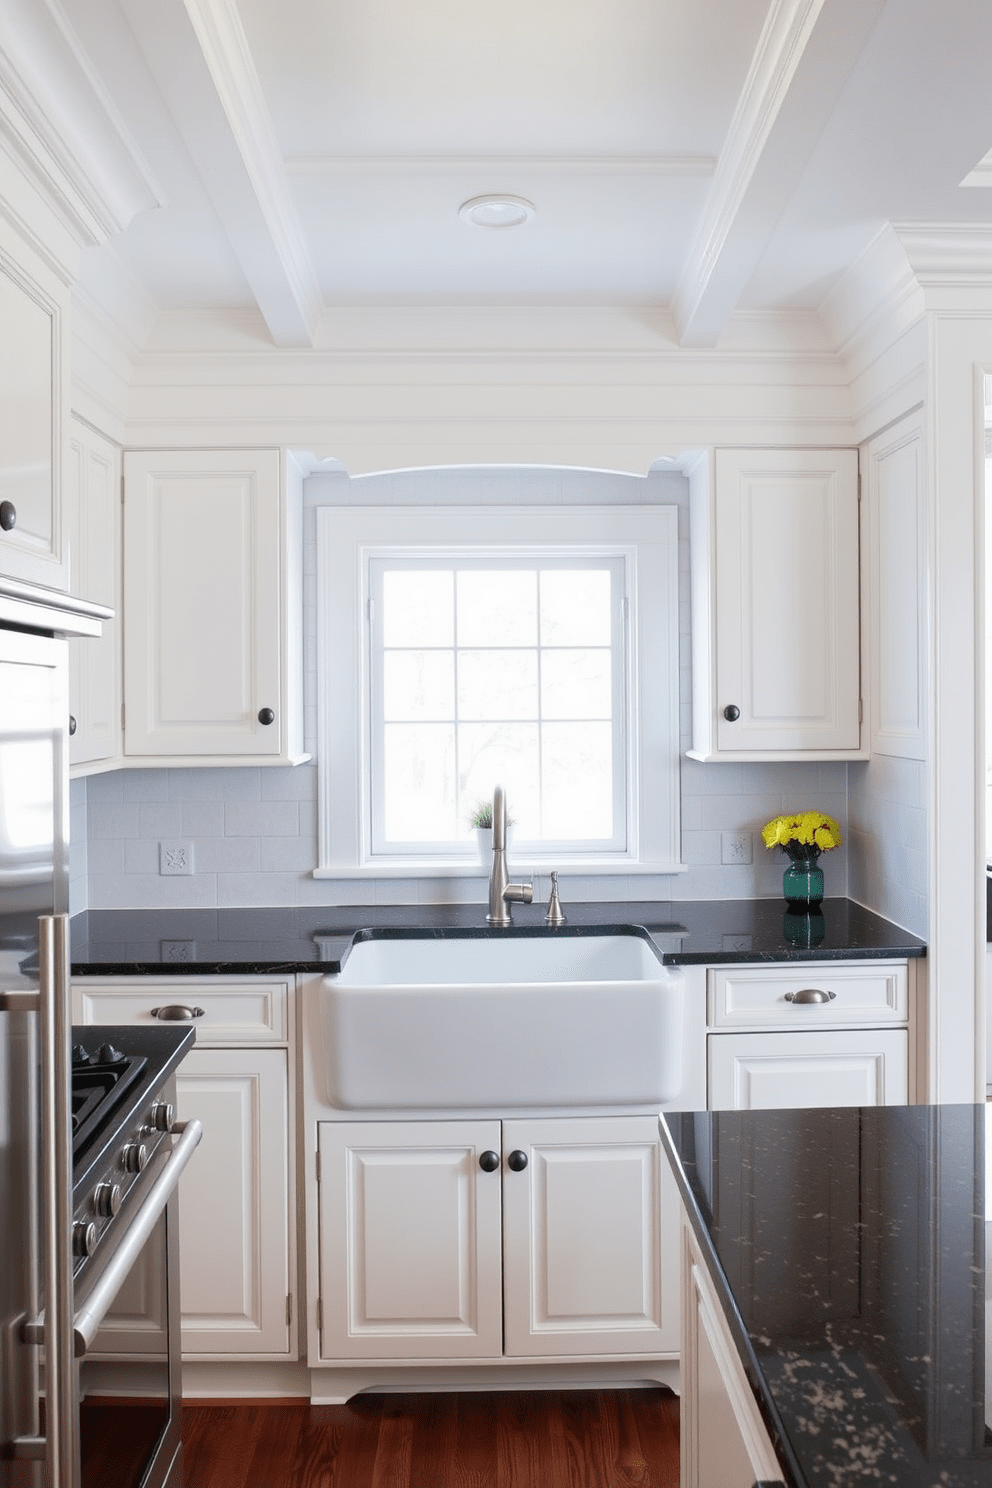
x=502, y=893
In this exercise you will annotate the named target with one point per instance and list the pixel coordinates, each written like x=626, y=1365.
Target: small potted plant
x=481, y=818
x=803, y=835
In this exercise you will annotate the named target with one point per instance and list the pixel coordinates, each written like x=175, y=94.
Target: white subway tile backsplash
x=228, y=855
x=262, y=819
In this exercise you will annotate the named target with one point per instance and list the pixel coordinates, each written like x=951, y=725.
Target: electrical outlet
x=735, y=847
x=175, y=857
x=177, y=950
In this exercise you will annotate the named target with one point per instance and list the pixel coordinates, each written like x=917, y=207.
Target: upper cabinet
x=897, y=610
x=33, y=373
x=776, y=606
x=212, y=613
x=94, y=525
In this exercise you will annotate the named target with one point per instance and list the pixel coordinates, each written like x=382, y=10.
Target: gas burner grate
x=101, y=1079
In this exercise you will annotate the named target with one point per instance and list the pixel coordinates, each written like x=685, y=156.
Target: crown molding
x=443, y=165
x=947, y=255
x=67, y=134
x=875, y=301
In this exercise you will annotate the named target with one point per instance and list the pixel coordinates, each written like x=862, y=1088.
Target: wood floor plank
x=337, y=1447
x=276, y=1444
x=656, y=1414
x=218, y=1444
x=394, y=1449
x=503, y=1439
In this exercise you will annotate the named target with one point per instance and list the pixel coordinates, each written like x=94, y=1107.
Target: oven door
x=126, y=1332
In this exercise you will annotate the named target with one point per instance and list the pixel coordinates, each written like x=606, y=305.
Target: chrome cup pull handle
x=177, y=1012
x=810, y=994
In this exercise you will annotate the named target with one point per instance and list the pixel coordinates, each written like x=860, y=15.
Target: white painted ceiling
x=700, y=157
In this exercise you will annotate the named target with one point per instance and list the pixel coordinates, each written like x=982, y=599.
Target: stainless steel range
x=89, y=1160
x=124, y=1254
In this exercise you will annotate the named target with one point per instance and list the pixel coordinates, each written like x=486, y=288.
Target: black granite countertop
x=685, y=932
x=849, y=1250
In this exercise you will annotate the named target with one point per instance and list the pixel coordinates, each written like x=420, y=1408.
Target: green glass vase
x=803, y=883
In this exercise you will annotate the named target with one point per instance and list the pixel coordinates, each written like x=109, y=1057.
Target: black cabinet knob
x=266, y=715
x=517, y=1161
x=489, y=1161
x=72, y=723
x=8, y=515
x=731, y=713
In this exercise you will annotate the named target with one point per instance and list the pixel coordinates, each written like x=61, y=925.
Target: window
x=486, y=668
x=533, y=647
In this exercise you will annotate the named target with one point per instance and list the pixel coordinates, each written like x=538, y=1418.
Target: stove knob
x=134, y=1157
x=107, y=1199
x=162, y=1116
x=84, y=1237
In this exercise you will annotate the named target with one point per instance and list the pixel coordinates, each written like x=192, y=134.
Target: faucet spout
x=503, y=893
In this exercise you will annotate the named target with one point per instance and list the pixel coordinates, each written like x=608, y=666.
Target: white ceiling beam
x=800, y=67
x=199, y=55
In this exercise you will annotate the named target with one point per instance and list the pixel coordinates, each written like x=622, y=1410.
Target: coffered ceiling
x=705, y=159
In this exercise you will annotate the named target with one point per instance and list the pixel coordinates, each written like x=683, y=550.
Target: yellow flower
x=810, y=828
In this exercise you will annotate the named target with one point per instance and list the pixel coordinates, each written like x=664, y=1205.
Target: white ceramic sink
x=502, y=1022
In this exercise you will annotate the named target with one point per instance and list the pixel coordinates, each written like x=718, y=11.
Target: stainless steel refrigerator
x=38, y=1430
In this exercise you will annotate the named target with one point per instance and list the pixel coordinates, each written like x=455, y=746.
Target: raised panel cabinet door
x=723, y=1442
x=897, y=615
x=94, y=505
x=33, y=380
x=409, y=1240
x=202, y=603
x=787, y=600
x=857, y=1067
x=234, y=1204
x=583, y=1238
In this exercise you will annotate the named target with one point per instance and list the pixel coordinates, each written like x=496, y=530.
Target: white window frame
x=647, y=538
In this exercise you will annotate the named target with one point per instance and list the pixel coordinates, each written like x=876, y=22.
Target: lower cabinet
x=852, y=1068
x=233, y=1204
x=817, y=1034
x=531, y=1238
x=722, y=1438
x=237, y=1232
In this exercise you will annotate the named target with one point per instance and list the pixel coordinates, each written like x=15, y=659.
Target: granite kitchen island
x=841, y=1255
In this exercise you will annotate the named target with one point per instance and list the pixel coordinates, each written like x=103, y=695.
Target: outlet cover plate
x=175, y=857
x=735, y=847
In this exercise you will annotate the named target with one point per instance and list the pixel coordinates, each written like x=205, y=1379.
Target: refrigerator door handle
x=59, y=1446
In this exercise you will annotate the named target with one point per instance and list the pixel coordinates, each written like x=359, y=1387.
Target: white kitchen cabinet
x=723, y=1441
x=34, y=370
x=213, y=669
x=828, y=1034
x=236, y=1198
x=409, y=1240
x=94, y=521
x=431, y=1248
x=584, y=1230
x=897, y=589
x=776, y=605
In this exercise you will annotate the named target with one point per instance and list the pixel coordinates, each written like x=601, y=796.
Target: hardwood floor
x=513, y=1439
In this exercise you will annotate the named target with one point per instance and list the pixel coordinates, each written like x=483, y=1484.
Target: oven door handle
x=87, y=1320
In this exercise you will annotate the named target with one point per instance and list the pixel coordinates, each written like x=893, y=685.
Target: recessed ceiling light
x=497, y=211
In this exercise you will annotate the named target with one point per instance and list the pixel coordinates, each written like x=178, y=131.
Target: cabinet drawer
x=230, y=1012
x=761, y=997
